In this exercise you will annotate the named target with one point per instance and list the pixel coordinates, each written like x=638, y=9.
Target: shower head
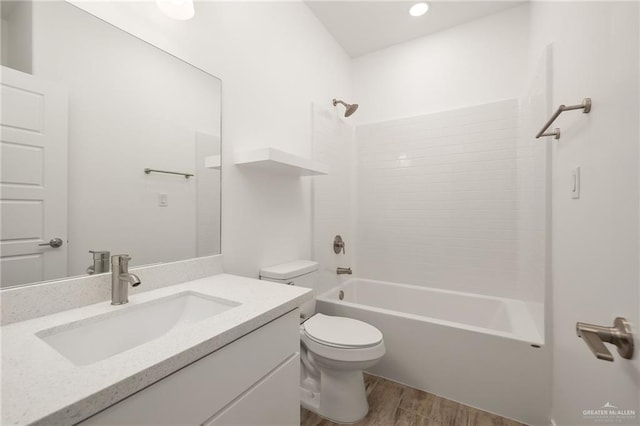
x=350, y=108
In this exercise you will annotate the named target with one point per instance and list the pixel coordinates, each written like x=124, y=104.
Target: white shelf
x=212, y=162
x=276, y=161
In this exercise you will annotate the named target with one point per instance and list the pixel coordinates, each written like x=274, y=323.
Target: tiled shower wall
x=448, y=200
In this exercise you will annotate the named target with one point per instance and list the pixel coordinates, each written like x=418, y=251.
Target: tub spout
x=342, y=271
x=132, y=279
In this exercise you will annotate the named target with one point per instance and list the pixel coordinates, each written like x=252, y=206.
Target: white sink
x=100, y=337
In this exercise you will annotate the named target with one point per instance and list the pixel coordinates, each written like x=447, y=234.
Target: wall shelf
x=212, y=162
x=277, y=161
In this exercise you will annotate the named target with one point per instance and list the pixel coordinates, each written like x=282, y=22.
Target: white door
x=595, y=237
x=33, y=179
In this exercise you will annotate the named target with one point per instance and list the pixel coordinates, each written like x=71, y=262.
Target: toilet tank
x=301, y=273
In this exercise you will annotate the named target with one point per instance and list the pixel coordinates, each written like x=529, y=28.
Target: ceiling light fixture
x=419, y=9
x=177, y=9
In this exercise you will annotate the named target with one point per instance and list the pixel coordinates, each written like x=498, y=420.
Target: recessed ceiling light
x=419, y=9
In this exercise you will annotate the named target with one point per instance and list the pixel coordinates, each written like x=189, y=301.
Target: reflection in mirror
x=86, y=108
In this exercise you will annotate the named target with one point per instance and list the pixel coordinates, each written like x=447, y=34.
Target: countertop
x=40, y=386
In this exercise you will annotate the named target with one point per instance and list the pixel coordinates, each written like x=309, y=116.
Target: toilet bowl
x=334, y=351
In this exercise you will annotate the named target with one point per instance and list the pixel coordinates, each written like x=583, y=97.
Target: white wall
x=474, y=63
x=131, y=106
x=595, y=238
x=274, y=59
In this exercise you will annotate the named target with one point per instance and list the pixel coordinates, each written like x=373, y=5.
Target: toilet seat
x=341, y=332
x=342, y=339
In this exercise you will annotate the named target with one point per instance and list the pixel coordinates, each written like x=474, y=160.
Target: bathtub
x=486, y=352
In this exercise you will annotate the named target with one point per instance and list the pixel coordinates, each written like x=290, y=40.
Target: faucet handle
x=338, y=245
x=120, y=259
x=99, y=255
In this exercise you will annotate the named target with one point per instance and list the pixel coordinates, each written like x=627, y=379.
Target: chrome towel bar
x=585, y=106
x=186, y=175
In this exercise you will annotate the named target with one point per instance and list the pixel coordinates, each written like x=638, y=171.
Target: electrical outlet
x=163, y=200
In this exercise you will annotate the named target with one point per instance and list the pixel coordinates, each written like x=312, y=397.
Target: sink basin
x=93, y=339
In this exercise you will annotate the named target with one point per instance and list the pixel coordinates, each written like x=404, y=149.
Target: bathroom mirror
x=86, y=108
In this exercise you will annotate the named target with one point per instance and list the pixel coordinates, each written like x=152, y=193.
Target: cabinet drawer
x=193, y=394
x=274, y=400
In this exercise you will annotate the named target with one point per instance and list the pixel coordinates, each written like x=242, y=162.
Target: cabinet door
x=274, y=400
x=193, y=394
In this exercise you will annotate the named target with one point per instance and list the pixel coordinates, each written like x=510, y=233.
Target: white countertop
x=41, y=386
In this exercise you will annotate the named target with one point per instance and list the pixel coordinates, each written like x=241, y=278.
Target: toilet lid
x=341, y=331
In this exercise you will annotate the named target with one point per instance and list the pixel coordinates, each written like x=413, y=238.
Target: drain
x=341, y=295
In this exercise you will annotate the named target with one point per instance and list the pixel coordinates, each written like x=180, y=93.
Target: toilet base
x=309, y=400
x=342, y=397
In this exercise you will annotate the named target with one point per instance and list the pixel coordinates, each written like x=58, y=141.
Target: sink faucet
x=120, y=277
x=341, y=271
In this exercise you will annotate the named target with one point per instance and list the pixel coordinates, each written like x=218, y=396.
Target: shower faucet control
x=338, y=245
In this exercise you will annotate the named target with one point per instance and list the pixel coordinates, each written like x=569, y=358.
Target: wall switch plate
x=575, y=183
x=163, y=200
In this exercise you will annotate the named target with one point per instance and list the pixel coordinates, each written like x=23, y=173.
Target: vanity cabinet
x=253, y=380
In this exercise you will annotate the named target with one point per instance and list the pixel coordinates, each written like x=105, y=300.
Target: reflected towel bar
x=585, y=106
x=186, y=175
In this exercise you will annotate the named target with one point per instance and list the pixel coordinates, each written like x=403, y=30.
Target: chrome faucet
x=342, y=271
x=120, y=277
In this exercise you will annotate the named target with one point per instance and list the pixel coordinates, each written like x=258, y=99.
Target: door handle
x=620, y=335
x=55, y=243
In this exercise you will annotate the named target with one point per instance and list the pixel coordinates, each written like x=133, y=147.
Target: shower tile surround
x=445, y=200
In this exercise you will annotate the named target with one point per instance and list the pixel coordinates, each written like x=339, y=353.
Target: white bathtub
x=487, y=352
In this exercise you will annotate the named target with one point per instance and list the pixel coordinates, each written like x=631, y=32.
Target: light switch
x=575, y=183
x=163, y=200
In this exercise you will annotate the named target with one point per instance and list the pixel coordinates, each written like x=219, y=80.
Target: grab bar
x=186, y=175
x=585, y=106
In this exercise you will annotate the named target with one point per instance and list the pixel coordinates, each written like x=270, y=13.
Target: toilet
x=333, y=351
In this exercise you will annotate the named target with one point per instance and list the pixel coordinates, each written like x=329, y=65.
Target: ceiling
x=363, y=27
